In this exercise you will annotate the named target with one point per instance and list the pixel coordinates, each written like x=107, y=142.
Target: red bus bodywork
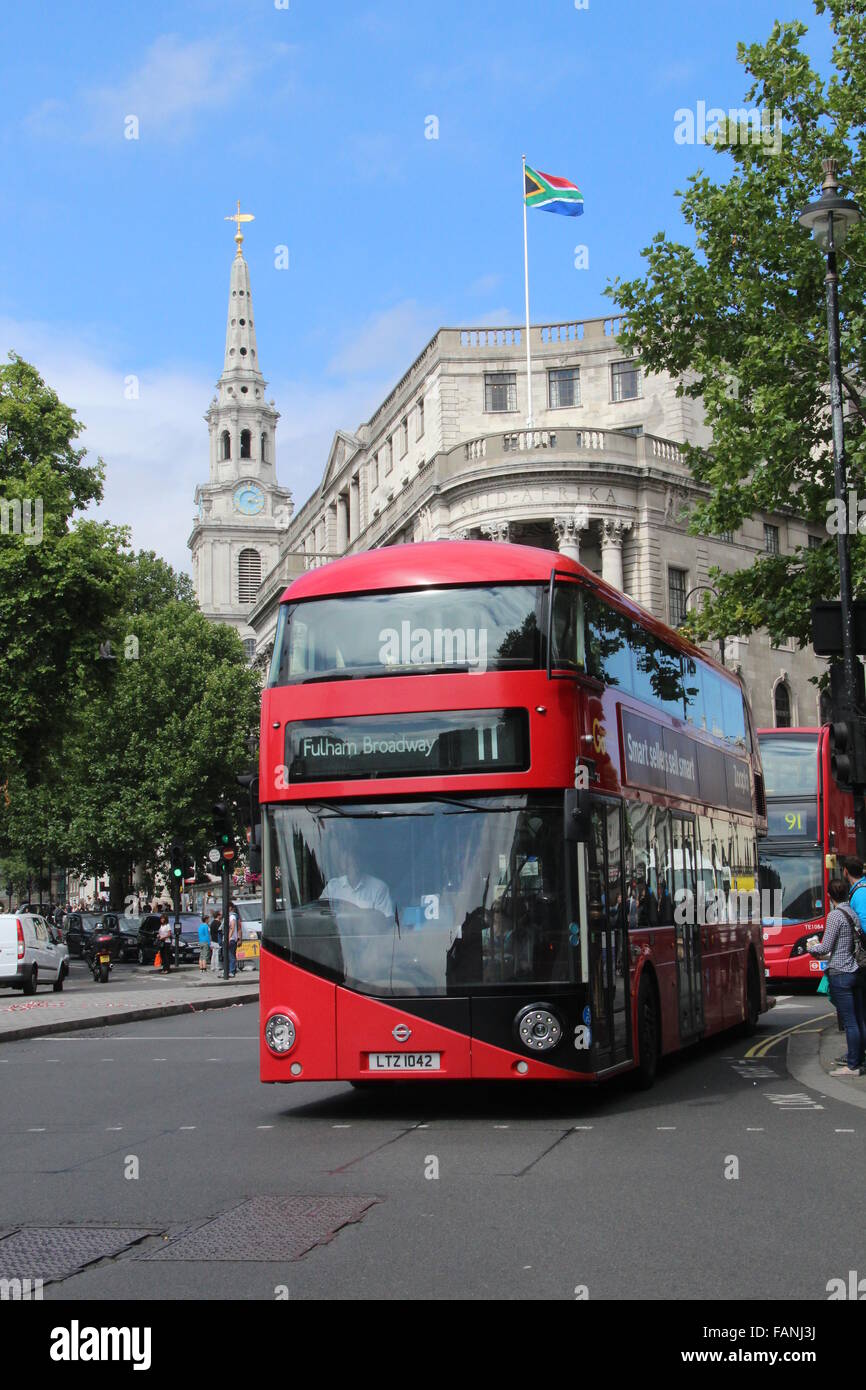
x=569, y=719
x=832, y=837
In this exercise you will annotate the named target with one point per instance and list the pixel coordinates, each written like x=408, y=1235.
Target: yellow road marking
x=762, y=1048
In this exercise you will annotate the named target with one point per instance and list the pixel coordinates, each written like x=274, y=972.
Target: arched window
x=249, y=575
x=246, y=444
x=782, y=706
x=264, y=453
x=250, y=648
x=225, y=445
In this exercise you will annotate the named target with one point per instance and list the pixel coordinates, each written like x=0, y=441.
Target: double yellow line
x=761, y=1049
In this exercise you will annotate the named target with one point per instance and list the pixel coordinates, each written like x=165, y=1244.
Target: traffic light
x=224, y=833
x=177, y=861
x=847, y=732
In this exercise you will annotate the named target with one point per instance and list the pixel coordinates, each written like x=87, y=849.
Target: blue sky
x=117, y=257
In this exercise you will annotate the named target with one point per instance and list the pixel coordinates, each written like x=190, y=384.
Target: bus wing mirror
x=575, y=815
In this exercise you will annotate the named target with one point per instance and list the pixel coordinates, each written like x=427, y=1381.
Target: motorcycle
x=99, y=957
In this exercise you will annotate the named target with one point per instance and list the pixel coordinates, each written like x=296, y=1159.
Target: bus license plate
x=403, y=1061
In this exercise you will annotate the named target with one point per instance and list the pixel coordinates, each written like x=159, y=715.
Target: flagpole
x=526, y=287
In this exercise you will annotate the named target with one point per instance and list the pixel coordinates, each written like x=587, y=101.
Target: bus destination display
x=408, y=745
x=794, y=820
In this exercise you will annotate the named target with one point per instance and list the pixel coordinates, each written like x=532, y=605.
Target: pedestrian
x=837, y=948
x=215, y=961
x=234, y=936
x=163, y=938
x=203, y=943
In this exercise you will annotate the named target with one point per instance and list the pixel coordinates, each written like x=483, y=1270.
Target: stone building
x=599, y=476
x=241, y=511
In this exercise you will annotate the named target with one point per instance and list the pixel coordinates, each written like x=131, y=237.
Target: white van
x=28, y=955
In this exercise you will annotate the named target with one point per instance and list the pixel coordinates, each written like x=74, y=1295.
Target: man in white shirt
x=357, y=888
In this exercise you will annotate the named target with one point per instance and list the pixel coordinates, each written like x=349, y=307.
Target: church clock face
x=249, y=499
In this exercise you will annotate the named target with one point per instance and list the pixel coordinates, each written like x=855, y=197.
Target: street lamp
x=828, y=218
x=710, y=590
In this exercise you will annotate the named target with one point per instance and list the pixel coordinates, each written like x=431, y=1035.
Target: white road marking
x=187, y=1126
x=264, y=1126
x=113, y=1129
x=36, y=1129
x=793, y=1100
x=844, y=1131
x=501, y=1127
x=583, y=1126
x=754, y=1129
x=341, y=1126
x=660, y=1127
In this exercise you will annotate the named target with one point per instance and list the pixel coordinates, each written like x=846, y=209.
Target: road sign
x=214, y=856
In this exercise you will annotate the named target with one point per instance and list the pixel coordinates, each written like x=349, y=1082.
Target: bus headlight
x=280, y=1034
x=537, y=1028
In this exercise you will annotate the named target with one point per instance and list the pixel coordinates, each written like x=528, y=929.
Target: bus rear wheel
x=647, y=1036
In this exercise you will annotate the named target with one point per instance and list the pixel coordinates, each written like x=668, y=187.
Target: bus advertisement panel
x=509, y=826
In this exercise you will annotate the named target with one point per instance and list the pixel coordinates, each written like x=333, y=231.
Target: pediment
x=343, y=447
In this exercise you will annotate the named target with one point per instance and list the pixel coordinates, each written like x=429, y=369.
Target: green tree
x=146, y=759
x=60, y=575
x=740, y=315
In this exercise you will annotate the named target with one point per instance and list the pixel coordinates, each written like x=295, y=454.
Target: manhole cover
x=266, y=1228
x=57, y=1252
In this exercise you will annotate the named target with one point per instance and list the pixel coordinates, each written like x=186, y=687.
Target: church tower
x=241, y=510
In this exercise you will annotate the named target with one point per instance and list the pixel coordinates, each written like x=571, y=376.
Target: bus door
x=608, y=936
x=688, y=933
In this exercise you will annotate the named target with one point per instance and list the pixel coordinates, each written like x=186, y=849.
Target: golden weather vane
x=239, y=217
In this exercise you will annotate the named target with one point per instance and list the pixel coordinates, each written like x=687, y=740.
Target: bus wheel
x=753, y=999
x=647, y=1036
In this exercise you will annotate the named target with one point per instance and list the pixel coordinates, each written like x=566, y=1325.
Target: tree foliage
x=740, y=315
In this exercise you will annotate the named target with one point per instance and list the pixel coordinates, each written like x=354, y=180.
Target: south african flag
x=552, y=194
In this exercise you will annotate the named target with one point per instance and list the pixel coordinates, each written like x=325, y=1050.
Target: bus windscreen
x=790, y=763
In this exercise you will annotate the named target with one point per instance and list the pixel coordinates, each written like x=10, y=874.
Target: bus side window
x=695, y=695
x=609, y=642
x=732, y=707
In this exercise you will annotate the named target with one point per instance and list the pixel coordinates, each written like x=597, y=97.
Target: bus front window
x=796, y=882
x=421, y=897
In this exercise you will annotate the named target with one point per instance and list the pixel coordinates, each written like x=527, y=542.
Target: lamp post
x=710, y=590
x=828, y=218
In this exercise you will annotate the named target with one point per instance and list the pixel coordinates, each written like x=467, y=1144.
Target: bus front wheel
x=647, y=1035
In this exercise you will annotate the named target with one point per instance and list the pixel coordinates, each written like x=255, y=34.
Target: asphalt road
x=540, y=1190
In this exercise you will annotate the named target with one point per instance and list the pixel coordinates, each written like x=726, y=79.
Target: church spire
x=241, y=365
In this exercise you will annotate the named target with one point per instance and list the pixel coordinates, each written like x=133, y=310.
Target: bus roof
x=427, y=564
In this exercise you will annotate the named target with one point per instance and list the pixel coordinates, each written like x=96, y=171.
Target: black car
x=121, y=932
x=148, y=931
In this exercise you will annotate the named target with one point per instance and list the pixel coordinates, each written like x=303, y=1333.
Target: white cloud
x=156, y=448
x=175, y=81
x=389, y=341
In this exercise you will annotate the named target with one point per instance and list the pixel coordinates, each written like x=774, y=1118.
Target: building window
x=563, y=387
x=782, y=706
x=727, y=536
x=250, y=648
x=771, y=539
x=249, y=575
x=374, y=471
x=500, y=391
x=404, y=437
x=625, y=381
x=419, y=428
x=389, y=456
x=814, y=542
x=225, y=445
x=677, y=589
x=246, y=444
x=264, y=443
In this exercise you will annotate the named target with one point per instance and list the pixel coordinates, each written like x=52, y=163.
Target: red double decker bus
x=811, y=826
x=495, y=794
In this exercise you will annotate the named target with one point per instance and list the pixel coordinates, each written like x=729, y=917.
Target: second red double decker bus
x=811, y=826
x=496, y=796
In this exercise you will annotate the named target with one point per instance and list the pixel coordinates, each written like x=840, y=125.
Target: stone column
x=612, y=533
x=354, y=507
x=568, y=529
x=496, y=531
x=342, y=521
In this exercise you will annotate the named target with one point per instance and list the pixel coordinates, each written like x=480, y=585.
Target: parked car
x=250, y=910
x=80, y=926
x=148, y=930
x=28, y=954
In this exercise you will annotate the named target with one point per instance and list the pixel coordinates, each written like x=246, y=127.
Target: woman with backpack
x=838, y=947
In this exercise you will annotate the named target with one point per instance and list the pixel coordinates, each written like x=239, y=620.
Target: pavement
x=132, y=993
x=147, y=1161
